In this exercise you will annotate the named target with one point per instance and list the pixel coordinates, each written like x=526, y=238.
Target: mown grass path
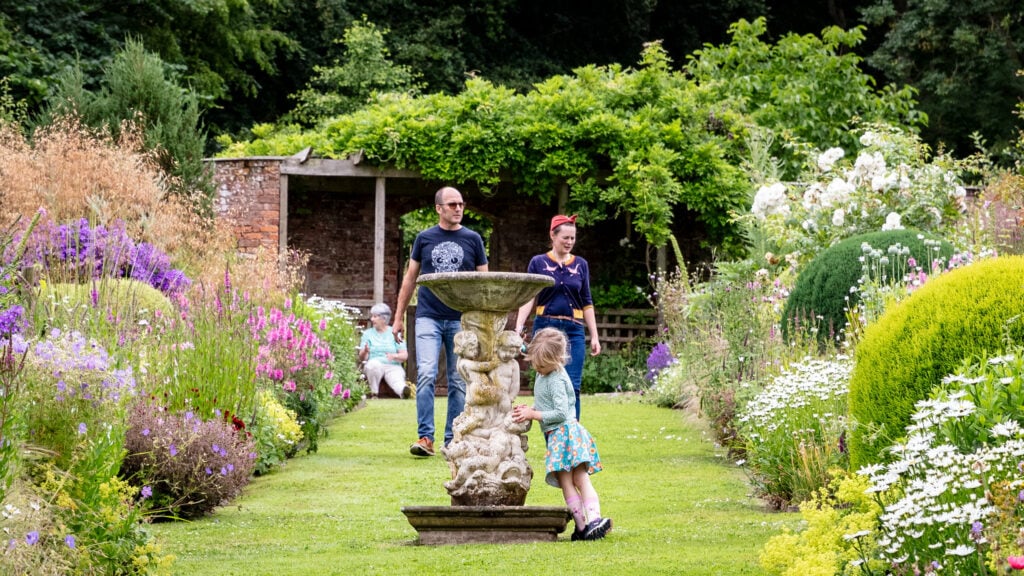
x=678, y=505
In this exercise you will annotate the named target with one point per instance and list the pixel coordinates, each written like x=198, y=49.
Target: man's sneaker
x=597, y=529
x=422, y=447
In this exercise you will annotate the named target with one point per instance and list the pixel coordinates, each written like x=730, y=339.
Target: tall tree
x=137, y=87
x=349, y=84
x=962, y=57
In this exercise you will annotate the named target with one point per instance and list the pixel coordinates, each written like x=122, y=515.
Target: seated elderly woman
x=381, y=356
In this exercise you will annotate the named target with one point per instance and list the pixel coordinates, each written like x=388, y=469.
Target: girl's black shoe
x=597, y=529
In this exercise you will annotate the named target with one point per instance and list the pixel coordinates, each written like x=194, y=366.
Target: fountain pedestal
x=443, y=525
x=487, y=455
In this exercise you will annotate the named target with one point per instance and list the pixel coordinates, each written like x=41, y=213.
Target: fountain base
x=443, y=525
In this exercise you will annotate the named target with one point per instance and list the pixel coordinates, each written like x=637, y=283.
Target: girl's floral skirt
x=569, y=446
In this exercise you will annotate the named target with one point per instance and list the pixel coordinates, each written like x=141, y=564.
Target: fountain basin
x=442, y=525
x=485, y=291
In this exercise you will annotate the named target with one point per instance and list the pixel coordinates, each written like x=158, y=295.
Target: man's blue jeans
x=577, y=341
x=430, y=334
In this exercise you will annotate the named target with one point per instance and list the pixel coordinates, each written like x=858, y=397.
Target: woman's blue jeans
x=430, y=335
x=577, y=349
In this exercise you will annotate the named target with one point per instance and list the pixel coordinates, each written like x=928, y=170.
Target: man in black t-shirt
x=447, y=247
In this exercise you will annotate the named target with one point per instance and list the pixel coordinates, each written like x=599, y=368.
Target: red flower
x=1016, y=562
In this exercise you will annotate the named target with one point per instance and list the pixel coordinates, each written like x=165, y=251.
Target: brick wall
x=332, y=218
x=249, y=198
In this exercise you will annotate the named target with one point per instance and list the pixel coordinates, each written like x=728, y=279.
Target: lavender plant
x=187, y=465
x=12, y=354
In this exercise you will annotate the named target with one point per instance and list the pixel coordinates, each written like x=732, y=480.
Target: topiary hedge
x=133, y=299
x=965, y=313
x=818, y=300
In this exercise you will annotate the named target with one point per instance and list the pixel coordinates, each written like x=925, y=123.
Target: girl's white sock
x=593, y=508
x=578, y=515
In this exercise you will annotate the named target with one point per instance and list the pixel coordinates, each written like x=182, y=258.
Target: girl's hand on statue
x=521, y=413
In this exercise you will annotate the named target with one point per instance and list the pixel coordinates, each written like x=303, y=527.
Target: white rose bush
x=890, y=183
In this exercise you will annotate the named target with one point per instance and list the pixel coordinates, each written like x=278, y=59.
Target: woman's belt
x=569, y=318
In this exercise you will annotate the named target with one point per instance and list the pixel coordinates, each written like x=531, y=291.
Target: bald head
x=439, y=195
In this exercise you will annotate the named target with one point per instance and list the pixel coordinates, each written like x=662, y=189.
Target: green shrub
x=954, y=485
x=138, y=86
x=964, y=313
x=616, y=371
x=131, y=300
x=823, y=291
x=275, y=431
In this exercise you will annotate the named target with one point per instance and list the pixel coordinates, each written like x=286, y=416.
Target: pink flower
x=346, y=394
x=289, y=386
x=336, y=390
x=1016, y=562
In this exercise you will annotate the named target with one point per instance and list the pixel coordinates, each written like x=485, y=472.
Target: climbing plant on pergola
x=641, y=142
x=636, y=142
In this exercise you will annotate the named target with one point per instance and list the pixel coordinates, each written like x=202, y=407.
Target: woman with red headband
x=567, y=305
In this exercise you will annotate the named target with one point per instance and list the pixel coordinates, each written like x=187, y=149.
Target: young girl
x=571, y=452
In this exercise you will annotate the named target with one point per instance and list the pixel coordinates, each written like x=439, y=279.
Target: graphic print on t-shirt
x=447, y=257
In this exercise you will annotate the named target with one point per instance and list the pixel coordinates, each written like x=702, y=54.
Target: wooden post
x=282, y=221
x=378, y=242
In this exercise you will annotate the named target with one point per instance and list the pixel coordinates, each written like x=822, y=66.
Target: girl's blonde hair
x=547, y=351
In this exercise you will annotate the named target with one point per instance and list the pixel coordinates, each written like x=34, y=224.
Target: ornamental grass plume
x=71, y=170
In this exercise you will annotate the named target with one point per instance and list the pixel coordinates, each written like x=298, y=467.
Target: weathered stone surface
x=445, y=525
x=485, y=291
x=487, y=453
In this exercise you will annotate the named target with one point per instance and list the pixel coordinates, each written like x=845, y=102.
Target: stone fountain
x=487, y=455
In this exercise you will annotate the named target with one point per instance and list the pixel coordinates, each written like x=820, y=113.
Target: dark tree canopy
x=246, y=58
x=962, y=57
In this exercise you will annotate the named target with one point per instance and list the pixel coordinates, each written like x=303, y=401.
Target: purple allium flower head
x=660, y=358
x=147, y=491
x=12, y=320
